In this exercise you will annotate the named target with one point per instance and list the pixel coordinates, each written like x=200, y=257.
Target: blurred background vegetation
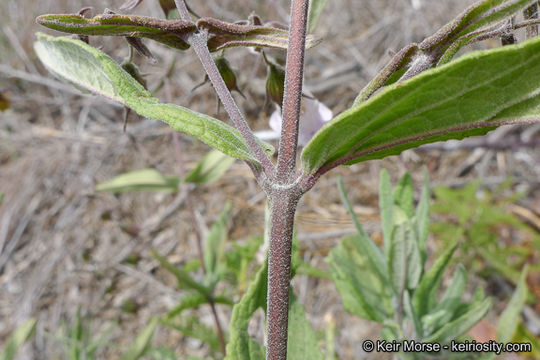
x=79, y=261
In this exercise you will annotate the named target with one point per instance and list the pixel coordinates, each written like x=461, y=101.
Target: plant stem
x=282, y=208
x=199, y=42
x=294, y=72
x=284, y=194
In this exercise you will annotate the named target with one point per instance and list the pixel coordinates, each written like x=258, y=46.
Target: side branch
x=199, y=42
x=286, y=165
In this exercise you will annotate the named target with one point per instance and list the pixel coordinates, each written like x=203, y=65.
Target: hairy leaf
x=223, y=35
x=425, y=295
x=478, y=16
x=172, y=33
x=422, y=217
x=386, y=205
x=469, y=96
x=404, y=195
x=87, y=67
x=363, y=291
x=511, y=316
x=449, y=303
x=462, y=324
x=302, y=344
x=214, y=247
x=374, y=254
x=241, y=346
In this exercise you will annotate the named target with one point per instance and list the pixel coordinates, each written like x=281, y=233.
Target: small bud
x=508, y=39
x=167, y=6
x=133, y=70
x=227, y=74
x=141, y=48
x=254, y=19
x=275, y=82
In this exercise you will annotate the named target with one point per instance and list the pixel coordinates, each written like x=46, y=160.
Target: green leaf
x=425, y=294
x=193, y=301
x=404, y=195
x=214, y=246
x=142, y=342
x=239, y=258
x=316, y=8
x=524, y=335
x=228, y=35
x=363, y=291
x=404, y=263
x=511, y=316
x=210, y=168
x=17, y=339
x=483, y=13
x=310, y=270
x=462, y=324
x=188, y=301
x=170, y=33
x=422, y=217
x=444, y=311
x=386, y=204
x=193, y=327
x=375, y=255
x=499, y=261
x=87, y=67
x=1, y=198
x=183, y=278
x=241, y=346
x=469, y=96
x=146, y=179
x=411, y=313
x=302, y=343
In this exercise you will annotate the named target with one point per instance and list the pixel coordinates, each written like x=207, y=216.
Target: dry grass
x=62, y=244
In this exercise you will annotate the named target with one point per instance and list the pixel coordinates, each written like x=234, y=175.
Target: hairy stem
x=294, y=72
x=282, y=209
x=199, y=42
x=284, y=194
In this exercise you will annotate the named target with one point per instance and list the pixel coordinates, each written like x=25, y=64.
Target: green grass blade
x=139, y=180
x=141, y=343
x=17, y=339
x=210, y=168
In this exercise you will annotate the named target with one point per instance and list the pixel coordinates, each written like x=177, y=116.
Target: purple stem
x=285, y=193
x=294, y=73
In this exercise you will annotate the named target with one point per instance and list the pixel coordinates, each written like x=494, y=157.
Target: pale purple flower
x=313, y=116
